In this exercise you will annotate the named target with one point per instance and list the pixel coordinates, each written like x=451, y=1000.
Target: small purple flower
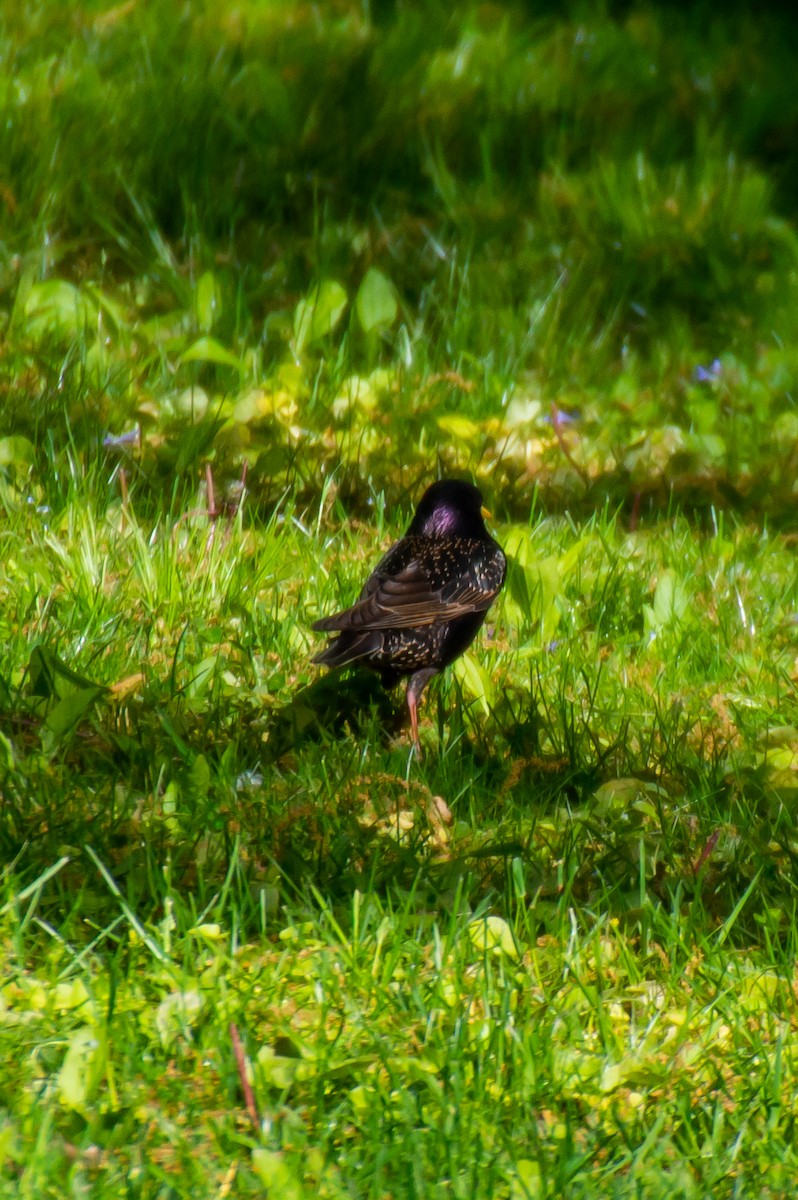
x=123, y=441
x=560, y=417
x=708, y=374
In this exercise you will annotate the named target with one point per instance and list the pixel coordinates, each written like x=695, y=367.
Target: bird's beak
x=486, y=513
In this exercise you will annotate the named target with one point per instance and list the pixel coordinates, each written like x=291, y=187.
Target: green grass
x=355, y=247
x=567, y=209
x=584, y=982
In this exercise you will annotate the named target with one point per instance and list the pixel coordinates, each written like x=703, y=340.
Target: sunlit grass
x=566, y=212
x=618, y=759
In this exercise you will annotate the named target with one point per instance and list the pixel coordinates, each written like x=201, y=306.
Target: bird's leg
x=412, y=705
x=414, y=689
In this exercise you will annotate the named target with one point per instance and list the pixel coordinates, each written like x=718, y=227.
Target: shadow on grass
x=558, y=821
x=334, y=706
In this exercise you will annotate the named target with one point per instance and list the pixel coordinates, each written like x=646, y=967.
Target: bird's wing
x=404, y=596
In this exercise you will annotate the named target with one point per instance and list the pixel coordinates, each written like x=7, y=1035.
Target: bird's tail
x=348, y=647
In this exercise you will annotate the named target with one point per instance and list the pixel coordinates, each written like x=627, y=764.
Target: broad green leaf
x=203, y=676
x=670, y=606
x=519, y=588
x=207, y=349
x=318, y=313
x=176, y=1014
x=362, y=1098
x=208, y=301
x=276, y=1175
x=759, y=990
x=56, y=307
x=493, y=934
x=462, y=428
x=27, y=282
x=534, y=587
x=277, y=1070
x=376, y=304
x=416, y=1070
x=10, y=1149
x=519, y=544
x=209, y=930
x=6, y=753
x=475, y=680
x=570, y=560
x=50, y=676
x=198, y=777
x=297, y=933
x=634, y=1071
x=665, y=598
x=83, y=1067
x=68, y=712
x=170, y=805
x=69, y=996
x=16, y=452
x=528, y=1184
x=618, y=794
x=168, y=331
x=279, y=400
x=778, y=735
x=192, y=403
x=356, y=392
x=783, y=758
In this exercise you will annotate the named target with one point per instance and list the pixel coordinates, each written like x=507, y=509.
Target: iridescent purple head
x=449, y=508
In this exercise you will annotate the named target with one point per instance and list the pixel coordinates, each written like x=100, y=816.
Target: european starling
x=425, y=601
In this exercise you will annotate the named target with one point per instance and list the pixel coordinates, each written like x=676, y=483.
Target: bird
x=425, y=601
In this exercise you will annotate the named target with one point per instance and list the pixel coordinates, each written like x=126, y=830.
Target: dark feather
x=424, y=603
x=430, y=588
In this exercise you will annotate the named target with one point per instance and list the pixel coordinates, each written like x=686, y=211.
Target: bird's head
x=450, y=508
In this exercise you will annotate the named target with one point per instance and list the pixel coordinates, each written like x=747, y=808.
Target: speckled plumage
x=425, y=601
